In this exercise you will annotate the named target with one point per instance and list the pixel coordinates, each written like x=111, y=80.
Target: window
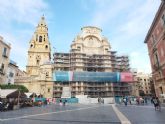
x=161, y=90
x=2, y=67
x=163, y=20
x=40, y=38
x=153, y=40
x=31, y=45
x=78, y=48
x=5, y=51
x=46, y=46
x=11, y=74
x=48, y=90
x=38, y=62
x=47, y=74
x=156, y=60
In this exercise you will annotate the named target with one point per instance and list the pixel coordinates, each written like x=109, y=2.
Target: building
x=122, y=63
x=91, y=52
x=90, y=61
x=4, y=59
x=135, y=85
x=155, y=40
x=38, y=77
x=11, y=72
x=144, y=83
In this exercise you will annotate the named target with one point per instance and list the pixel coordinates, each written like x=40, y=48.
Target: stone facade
x=155, y=40
x=39, y=49
x=144, y=83
x=4, y=59
x=38, y=76
x=11, y=72
x=91, y=52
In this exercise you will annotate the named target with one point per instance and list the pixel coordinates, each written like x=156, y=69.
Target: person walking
x=125, y=101
x=1, y=105
x=156, y=103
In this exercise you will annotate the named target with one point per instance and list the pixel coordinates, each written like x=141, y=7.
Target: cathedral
x=90, y=56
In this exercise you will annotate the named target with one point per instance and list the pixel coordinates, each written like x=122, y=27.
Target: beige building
x=91, y=52
x=144, y=83
x=11, y=72
x=4, y=59
x=39, y=49
x=39, y=69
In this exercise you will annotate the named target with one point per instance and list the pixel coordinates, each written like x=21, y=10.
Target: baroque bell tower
x=39, y=50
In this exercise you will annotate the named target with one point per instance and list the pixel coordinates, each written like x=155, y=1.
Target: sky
x=124, y=22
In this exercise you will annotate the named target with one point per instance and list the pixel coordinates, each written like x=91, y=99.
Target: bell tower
x=39, y=50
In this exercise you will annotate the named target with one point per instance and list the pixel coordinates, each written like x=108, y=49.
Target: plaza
x=82, y=62
x=85, y=114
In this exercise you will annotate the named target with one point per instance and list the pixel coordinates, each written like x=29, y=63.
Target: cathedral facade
x=90, y=55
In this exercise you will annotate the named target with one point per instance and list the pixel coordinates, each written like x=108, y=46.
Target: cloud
x=128, y=24
x=24, y=11
x=18, y=18
x=139, y=60
x=140, y=19
x=106, y=11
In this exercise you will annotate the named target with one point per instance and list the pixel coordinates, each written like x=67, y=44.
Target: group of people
x=63, y=102
x=142, y=101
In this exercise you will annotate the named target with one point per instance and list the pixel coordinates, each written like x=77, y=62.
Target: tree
x=12, y=86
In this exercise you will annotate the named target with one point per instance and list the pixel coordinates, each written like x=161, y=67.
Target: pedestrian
x=125, y=101
x=145, y=99
x=1, y=105
x=138, y=100
x=156, y=103
x=64, y=102
x=60, y=102
x=130, y=101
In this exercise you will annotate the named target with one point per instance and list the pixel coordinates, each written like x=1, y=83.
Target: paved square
x=69, y=114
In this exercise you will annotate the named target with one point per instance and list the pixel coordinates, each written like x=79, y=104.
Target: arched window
x=40, y=38
x=46, y=47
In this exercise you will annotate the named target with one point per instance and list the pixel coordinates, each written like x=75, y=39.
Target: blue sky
x=124, y=22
